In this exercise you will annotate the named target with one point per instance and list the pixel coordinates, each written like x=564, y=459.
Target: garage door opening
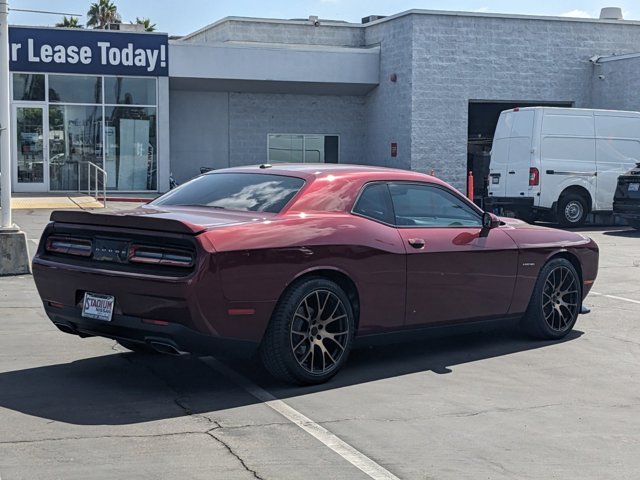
x=483, y=118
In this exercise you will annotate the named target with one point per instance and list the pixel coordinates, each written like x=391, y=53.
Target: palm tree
x=71, y=22
x=102, y=13
x=148, y=26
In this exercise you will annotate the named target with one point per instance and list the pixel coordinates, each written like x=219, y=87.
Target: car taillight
x=80, y=247
x=160, y=256
x=534, y=177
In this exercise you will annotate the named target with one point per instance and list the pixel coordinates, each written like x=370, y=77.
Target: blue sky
x=183, y=16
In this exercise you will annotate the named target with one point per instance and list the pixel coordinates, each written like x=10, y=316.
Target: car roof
x=315, y=170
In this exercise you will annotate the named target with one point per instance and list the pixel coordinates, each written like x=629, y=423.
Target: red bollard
x=470, y=186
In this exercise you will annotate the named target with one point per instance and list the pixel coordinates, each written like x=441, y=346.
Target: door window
x=430, y=206
x=375, y=203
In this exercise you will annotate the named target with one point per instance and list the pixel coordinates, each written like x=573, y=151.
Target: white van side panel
x=617, y=151
x=567, y=153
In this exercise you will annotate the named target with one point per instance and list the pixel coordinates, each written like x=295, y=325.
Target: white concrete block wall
x=619, y=89
x=462, y=58
x=442, y=61
x=277, y=32
x=252, y=116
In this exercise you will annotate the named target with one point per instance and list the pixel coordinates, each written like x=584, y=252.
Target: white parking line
x=346, y=451
x=615, y=297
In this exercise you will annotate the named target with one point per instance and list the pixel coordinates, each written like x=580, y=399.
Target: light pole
x=5, y=131
x=14, y=257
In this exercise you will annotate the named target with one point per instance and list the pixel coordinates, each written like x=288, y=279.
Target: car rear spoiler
x=137, y=220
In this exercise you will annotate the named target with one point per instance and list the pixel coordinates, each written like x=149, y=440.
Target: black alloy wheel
x=310, y=333
x=555, y=302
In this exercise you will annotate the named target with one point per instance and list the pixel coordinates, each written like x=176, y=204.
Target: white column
x=5, y=130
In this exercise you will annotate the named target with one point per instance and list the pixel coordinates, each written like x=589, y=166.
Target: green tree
x=148, y=26
x=102, y=13
x=71, y=22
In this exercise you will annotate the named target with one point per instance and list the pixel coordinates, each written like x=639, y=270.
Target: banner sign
x=102, y=52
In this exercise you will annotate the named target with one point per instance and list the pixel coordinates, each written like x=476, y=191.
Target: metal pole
x=5, y=130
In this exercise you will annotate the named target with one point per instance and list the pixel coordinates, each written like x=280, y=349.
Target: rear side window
x=428, y=206
x=249, y=192
x=375, y=203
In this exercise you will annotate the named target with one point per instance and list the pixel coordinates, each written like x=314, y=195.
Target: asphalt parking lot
x=490, y=405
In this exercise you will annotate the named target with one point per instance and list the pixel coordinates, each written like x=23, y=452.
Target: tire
x=572, y=210
x=635, y=224
x=543, y=319
x=305, y=344
x=138, y=347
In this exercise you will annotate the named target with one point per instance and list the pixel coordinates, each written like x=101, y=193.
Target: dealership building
x=419, y=90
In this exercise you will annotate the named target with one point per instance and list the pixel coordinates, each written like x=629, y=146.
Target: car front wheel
x=310, y=333
x=555, y=302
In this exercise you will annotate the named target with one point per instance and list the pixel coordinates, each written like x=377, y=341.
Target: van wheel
x=572, y=210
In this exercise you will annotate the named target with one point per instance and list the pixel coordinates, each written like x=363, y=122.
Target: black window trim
x=464, y=200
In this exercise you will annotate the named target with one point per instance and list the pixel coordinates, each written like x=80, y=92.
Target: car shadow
x=128, y=388
x=632, y=233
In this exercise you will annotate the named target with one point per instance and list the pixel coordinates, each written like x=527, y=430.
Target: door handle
x=512, y=172
x=417, y=243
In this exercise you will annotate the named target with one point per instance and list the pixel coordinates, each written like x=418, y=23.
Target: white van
x=563, y=160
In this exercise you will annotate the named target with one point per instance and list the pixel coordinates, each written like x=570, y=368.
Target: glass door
x=30, y=150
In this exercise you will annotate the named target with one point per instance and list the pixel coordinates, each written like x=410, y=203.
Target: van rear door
x=520, y=143
x=500, y=155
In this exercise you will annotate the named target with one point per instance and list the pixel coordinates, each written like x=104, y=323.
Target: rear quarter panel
x=257, y=262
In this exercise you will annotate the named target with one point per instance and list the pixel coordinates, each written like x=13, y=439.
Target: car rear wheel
x=555, y=302
x=310, y=334
x=572, y=210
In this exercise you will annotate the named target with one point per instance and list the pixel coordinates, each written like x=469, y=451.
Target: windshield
x=249, y=192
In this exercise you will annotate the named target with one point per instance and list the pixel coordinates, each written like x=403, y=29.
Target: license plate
x=98, y=307
x=634, y=187
x=495, y=180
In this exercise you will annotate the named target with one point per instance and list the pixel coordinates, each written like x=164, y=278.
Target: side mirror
x=489, y=221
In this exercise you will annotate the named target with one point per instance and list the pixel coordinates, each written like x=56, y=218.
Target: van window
x=522, y=124
x=571, y=125
x=617, y=127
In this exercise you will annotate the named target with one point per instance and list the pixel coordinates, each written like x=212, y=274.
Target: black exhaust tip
x=165, y=348
x=63, y=327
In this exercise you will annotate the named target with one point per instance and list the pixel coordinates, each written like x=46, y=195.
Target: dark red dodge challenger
x=299, y=261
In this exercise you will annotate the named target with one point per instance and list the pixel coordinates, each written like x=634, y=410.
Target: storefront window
x=118, y=135
x=75, y=138
x=130, y=148
x=129, y=91
x=75, y=89
x=27, y=86
x=303, y=148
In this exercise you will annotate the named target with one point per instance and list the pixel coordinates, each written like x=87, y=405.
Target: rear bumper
x=627, y=209
x=495, y=204
x=134, y=329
